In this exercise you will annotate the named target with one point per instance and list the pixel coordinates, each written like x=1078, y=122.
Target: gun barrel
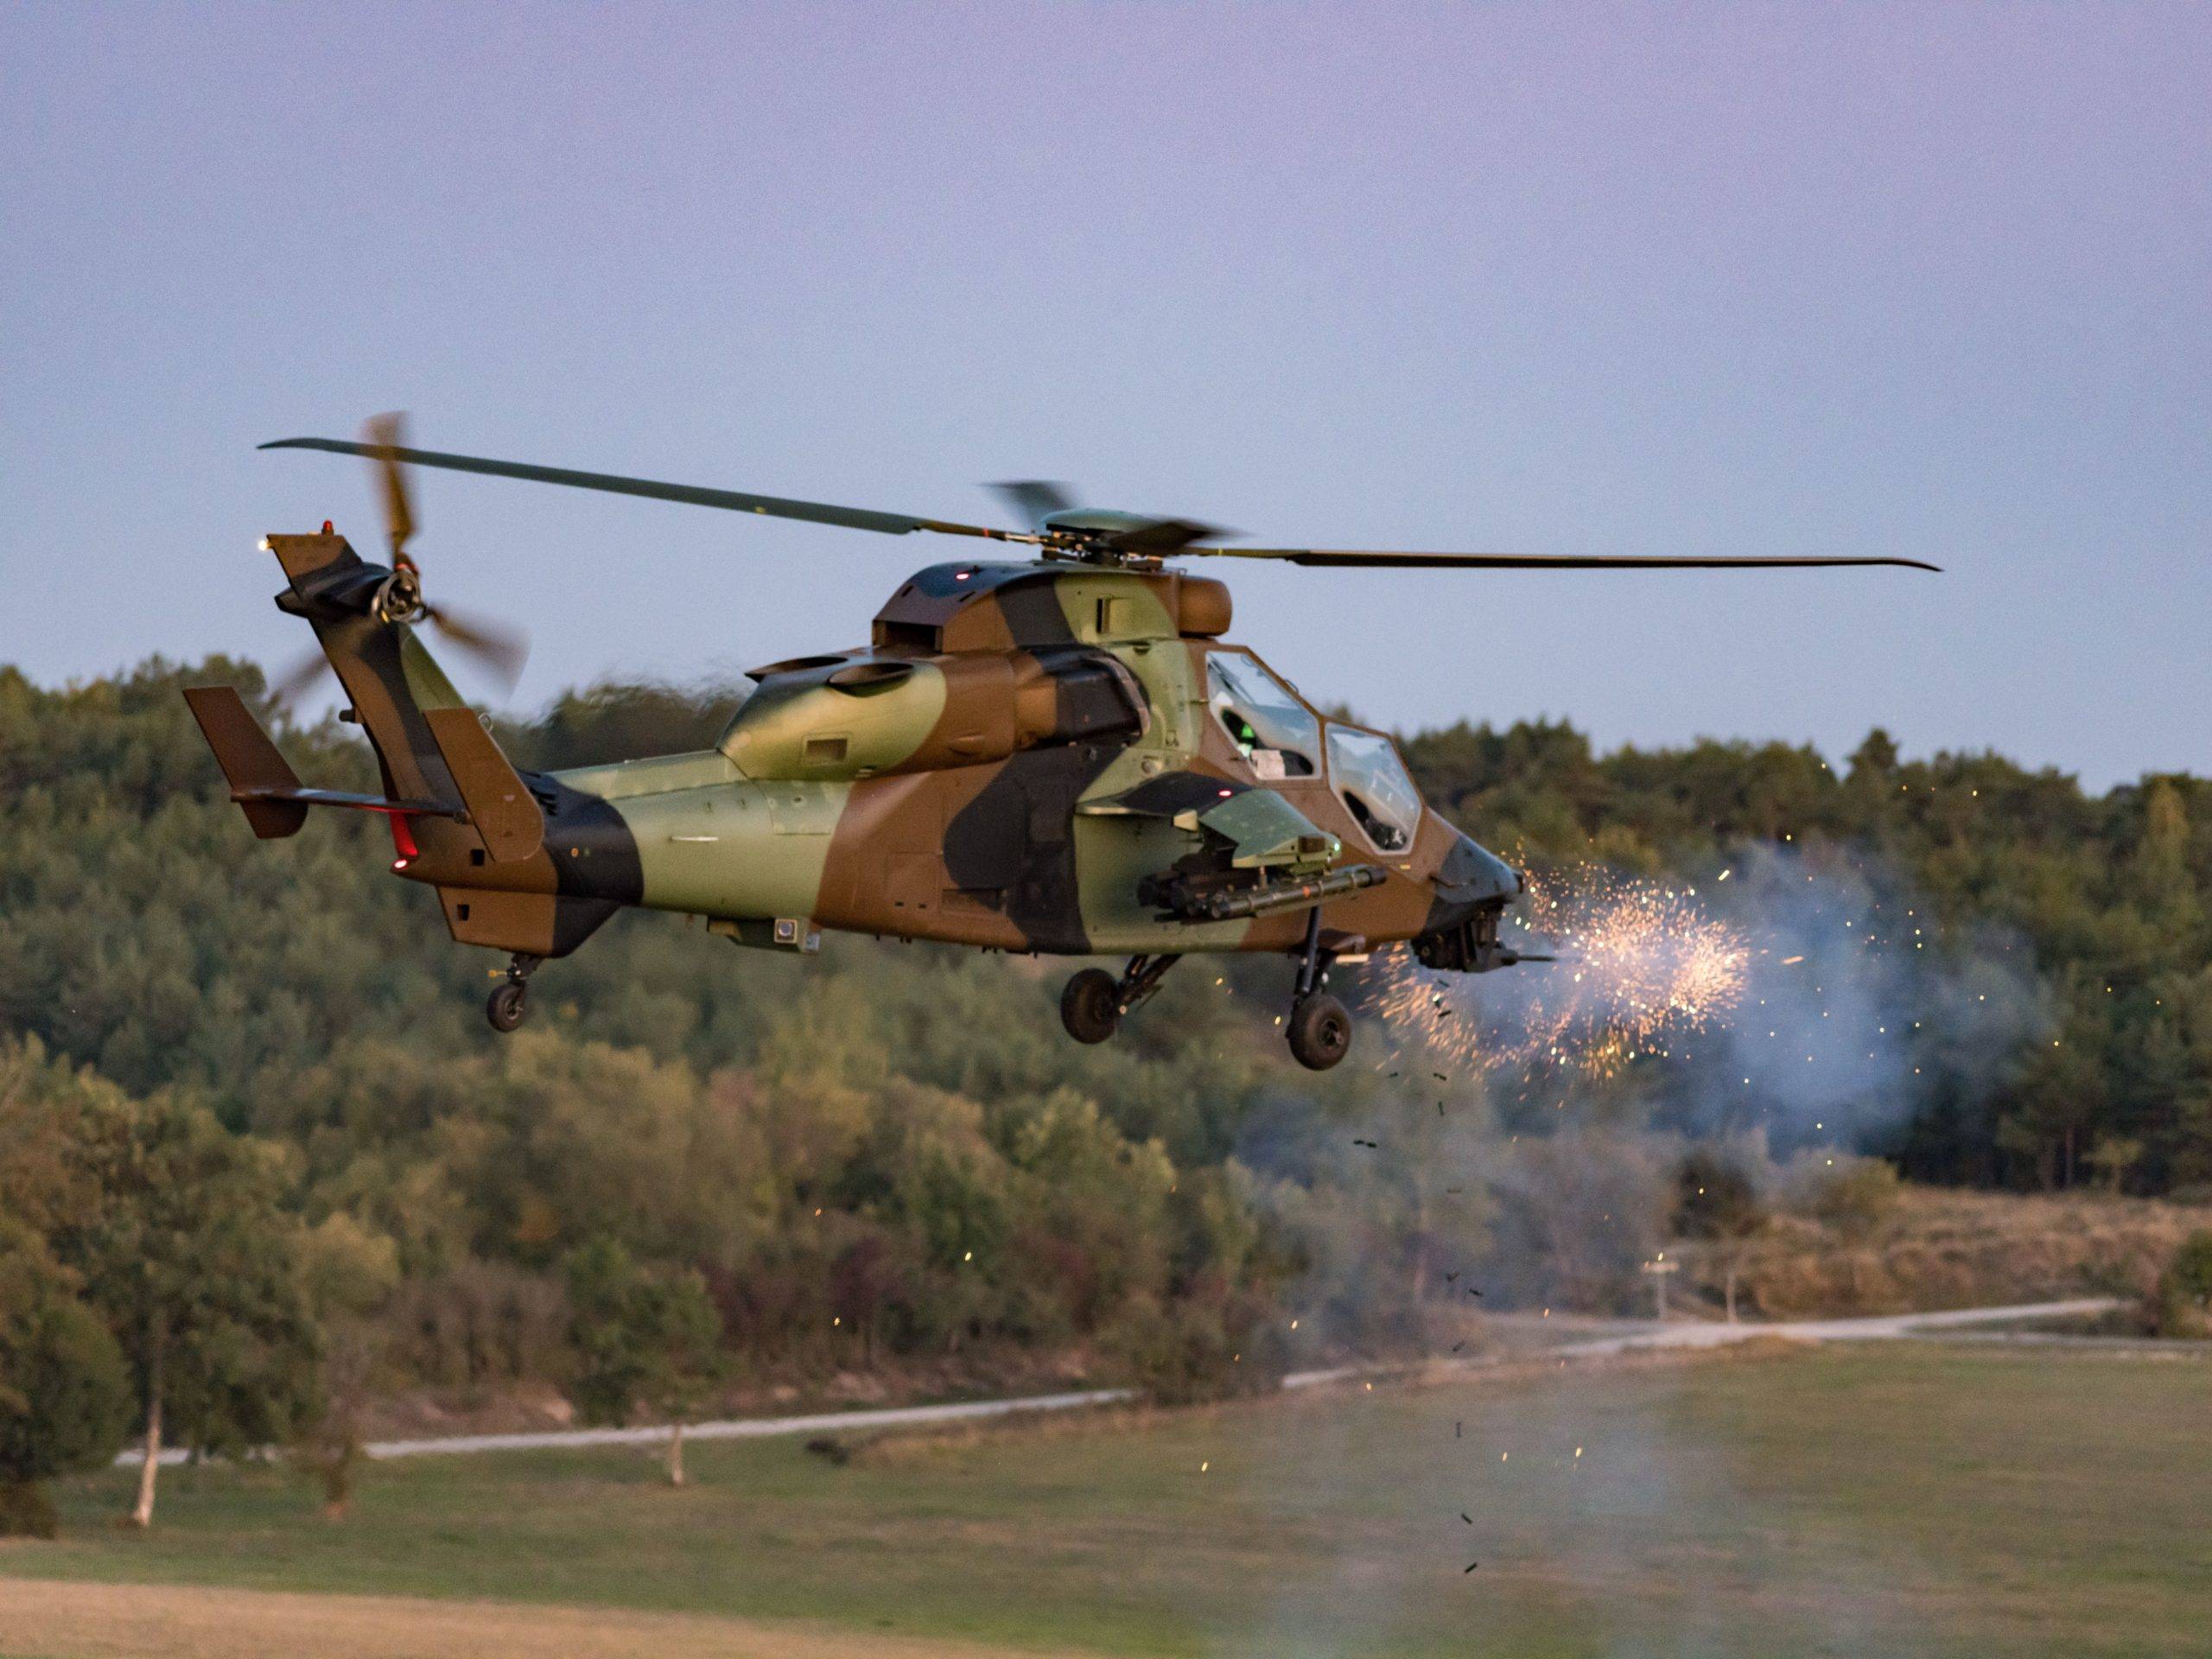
x=1278, y=896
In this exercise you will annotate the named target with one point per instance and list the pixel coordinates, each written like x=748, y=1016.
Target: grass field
x=1889, y=1498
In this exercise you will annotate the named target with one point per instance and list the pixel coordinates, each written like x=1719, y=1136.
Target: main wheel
x=1319, y=1032
x=1089, y=1006
x=508, y=1005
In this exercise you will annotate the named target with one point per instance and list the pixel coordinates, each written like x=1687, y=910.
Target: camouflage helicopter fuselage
x=1064, y=756
x=1026, y=757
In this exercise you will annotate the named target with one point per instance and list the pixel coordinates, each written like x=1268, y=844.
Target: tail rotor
x=496, y=649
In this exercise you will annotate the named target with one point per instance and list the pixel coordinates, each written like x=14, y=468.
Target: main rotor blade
x=381, y=437
x=819, y=513
x=1035, y=500
x=1524, y=561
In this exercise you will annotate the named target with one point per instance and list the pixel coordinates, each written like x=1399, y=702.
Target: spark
x=1649, y=964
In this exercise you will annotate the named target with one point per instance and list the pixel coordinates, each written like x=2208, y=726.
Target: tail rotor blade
x=384, y=435
x=499, y=650
x=299, y=677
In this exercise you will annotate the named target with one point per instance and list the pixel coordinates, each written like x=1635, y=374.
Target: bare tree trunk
x=1731, y=1291
x=142, y=1513
x=675, y=1452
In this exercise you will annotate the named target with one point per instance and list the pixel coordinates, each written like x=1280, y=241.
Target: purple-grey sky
x=1929, y=280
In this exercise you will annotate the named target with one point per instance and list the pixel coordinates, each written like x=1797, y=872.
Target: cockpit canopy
x=1281, y=738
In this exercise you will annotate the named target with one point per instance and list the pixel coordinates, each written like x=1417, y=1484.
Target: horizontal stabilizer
x=346, y=798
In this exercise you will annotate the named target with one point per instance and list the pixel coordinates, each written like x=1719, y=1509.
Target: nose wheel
x=509, y=1004
x=1320, y=1031
x=1320, y=1028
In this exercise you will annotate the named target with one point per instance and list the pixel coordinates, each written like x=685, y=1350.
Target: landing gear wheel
x=1090, y=1006
x=1320, y=1031
x=508, y=1005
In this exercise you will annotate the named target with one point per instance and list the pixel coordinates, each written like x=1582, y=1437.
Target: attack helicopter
x=1057, y=753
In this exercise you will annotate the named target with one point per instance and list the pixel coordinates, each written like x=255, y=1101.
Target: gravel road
x=1630, y=1339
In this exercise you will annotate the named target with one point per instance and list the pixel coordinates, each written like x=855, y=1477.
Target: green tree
x=351, y=1275
x=2060, y=1095
x=644, y=1337
x=65, y=1402
x=185, y=1248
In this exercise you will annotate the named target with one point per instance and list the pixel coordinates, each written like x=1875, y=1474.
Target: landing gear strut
x=1092, y=1005
x=1318, y=1028
x=509, y=1003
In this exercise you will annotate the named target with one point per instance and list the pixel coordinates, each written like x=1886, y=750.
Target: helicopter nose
x=1473, y=875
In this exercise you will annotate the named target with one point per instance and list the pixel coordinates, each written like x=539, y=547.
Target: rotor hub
x=399, y=596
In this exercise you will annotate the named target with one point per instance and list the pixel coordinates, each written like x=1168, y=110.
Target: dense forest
x=891, y=1153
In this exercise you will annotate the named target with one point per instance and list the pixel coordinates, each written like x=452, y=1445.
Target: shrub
x=1854, y=1196
x=1186, y=1350
x=2185, y=1289
x=1715, y=1197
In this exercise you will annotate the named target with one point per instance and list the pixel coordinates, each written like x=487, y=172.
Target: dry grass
x=1944, y=1249
x=55, y=1620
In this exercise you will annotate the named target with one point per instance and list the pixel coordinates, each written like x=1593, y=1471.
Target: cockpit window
x=1271, y=728
x=1368, y=774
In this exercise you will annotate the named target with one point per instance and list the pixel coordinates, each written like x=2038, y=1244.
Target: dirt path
x=52, y=1619
x=1645, y=1336
x=1625, y=1337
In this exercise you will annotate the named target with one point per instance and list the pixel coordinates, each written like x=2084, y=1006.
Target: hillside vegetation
x=892, y=1157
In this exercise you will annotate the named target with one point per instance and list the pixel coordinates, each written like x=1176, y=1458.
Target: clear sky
x=1927, y=280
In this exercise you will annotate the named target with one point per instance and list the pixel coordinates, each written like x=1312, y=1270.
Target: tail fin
x=261, y=781
x=499, y=805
